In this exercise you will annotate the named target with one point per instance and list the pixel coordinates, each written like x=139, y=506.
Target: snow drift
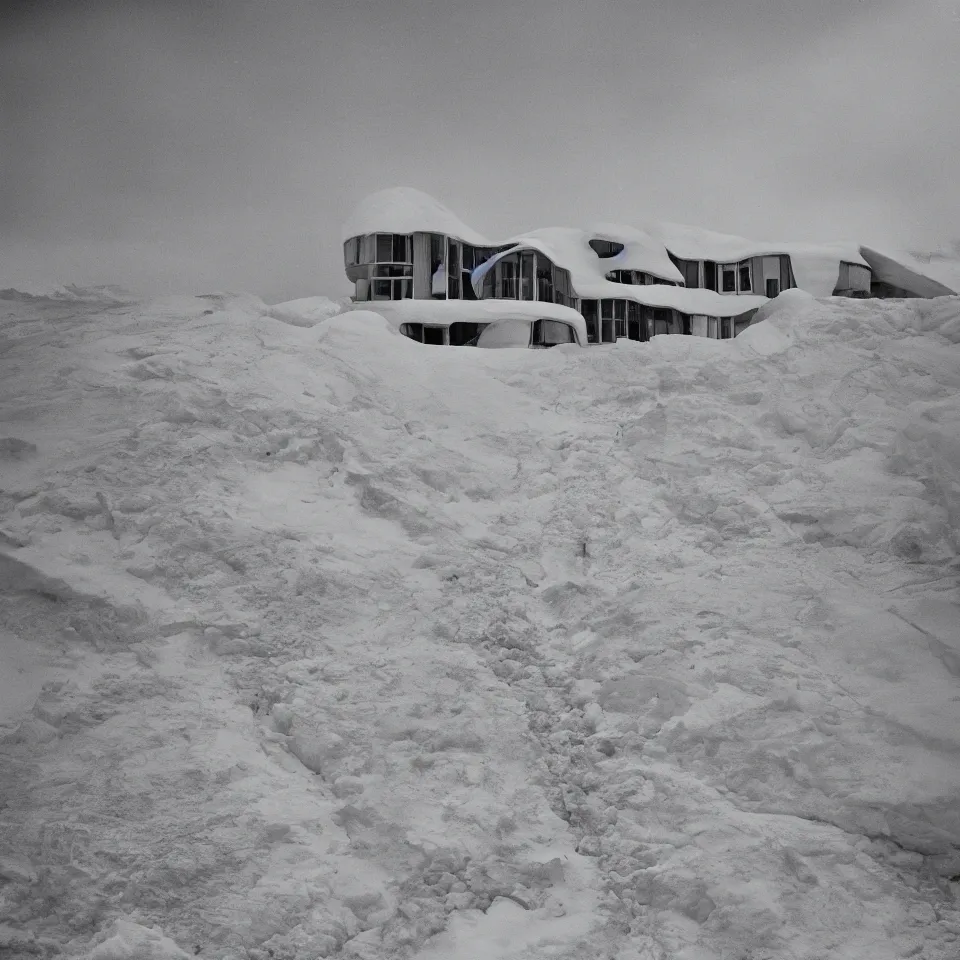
x=316, y=642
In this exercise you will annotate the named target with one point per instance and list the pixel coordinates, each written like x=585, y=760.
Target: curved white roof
x=568, y=247
x=816, y=266
x=407, y=210
x=640, y=251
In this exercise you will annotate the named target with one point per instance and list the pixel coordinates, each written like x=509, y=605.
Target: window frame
x=537, y=328
x=727, y=269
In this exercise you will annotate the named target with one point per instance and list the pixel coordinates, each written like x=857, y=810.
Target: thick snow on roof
x=568, y=247
x=899, y=274
x=640, y=251
x=407, y=210
x=816, y=266
x=441, y=313
x=689, y=300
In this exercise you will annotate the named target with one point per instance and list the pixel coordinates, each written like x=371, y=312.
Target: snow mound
x=305, y=312
x=131, y=941
x=317, y=643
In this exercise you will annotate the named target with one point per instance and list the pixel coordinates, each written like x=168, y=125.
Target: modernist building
x=401, y=244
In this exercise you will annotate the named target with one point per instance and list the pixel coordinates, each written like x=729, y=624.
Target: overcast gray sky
x=193, y=145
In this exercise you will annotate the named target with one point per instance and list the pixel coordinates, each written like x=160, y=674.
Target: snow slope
x=329, y=644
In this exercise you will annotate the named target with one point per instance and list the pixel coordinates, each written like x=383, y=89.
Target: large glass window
x=545, y=287
x=633, y=320
x=507, y=268
x=746, y=277
x=368, y=248
x=709, y=275
x=661, y=320
x=548, y=333
x=729, y=278
x=392, y=282
x=589, y=310
x=620, y=315
x=384, y=248
x=462, y=332
x=437, y=242
x=526, y=275
x=433, y=335
x=351, y=251
x=607, y=334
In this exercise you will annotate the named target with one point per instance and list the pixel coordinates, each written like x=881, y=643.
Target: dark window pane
x=433, y=335
x=633, y=311
x=620, y=309
x=412, y=330
x=729, y=280
x=606, y=309
x=400, y=249
x=461, y=332
x=384, y=248
x=745, y=283
x=589, y=310
x=709, y=275
x=381, y=290
x=773, y=288
x=606, y=248
x=548, y=333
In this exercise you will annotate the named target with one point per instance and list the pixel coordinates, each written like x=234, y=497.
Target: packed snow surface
x=317, y=642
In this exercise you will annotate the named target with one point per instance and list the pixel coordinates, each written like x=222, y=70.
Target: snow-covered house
x=401, y=244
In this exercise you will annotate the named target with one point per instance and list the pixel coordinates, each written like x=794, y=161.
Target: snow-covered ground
x=318, y=642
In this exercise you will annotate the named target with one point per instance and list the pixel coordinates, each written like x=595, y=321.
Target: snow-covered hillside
x=317, y=642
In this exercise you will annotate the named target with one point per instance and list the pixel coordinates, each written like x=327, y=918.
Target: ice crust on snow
x=324, y=644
